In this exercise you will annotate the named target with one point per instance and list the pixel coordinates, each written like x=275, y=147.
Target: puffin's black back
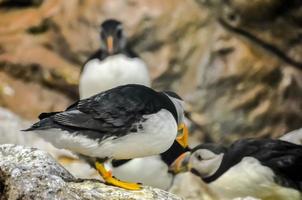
x=114, y=111
x=284, y=158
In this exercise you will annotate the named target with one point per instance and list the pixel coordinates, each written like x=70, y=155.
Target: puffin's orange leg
x=109, y=179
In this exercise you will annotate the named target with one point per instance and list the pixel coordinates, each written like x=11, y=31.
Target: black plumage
x=115, y=112
x=284, y=158
x=173, y=153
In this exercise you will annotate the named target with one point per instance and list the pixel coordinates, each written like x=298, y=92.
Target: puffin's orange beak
x=182, y=139
x=110, y=44
x=181, y=164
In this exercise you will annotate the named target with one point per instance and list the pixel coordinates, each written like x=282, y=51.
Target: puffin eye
x=198, y=157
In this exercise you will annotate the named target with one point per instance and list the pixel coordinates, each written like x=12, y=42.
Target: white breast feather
x=158, y=134
x=114, y=71
x=151, y=171
x=250, y=178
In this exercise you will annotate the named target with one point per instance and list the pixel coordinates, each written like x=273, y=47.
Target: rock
x=250, y=76
x=28, y=173
x=246, y=198
x=237, y=69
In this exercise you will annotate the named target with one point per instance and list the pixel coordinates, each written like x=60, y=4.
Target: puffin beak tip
x=181, y=164
x=109, y=42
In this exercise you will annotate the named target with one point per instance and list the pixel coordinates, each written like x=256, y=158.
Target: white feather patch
x=150, y=171
x=99, y=76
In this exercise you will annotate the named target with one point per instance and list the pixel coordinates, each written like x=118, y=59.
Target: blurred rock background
x=238, y=64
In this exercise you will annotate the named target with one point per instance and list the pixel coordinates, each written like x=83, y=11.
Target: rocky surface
x=250, y=80
x=238, y=70
x=28, y=173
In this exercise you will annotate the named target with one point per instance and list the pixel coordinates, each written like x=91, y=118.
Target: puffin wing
x=284, y=158
x=114, y=111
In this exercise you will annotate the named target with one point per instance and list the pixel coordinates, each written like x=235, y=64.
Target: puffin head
x=203, y=160
x=183, y=133
x=112, y=36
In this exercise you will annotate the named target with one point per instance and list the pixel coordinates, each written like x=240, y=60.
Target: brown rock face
x=237, y=63
x=250, y=82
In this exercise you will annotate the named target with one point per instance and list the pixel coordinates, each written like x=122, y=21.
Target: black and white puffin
x=262, y=168
x=114, y=64
x=125, y=122
x=144, y=170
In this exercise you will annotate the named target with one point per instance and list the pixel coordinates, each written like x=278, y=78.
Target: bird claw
x=110, y=180
x=125, y=185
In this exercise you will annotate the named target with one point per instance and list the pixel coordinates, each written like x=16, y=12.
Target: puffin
x=114, y=64
x=143, y=170
x=262, y=168
x=124, y=122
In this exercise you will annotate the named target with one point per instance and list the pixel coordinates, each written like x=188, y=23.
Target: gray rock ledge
x=29, y=173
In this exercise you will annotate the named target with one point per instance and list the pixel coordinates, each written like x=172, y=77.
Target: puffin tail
x=43, y=124
x=46, y=122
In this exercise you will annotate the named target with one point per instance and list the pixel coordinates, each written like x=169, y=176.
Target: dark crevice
x=2, y=186
x=41, y=28
x=8, y=4
x=287, y=6
x=273, y=78
x=265, y=45
x=35, y=73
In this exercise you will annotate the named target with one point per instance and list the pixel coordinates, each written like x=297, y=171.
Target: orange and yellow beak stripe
x=182, y=139
x=110, y=44
x=181, y=164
